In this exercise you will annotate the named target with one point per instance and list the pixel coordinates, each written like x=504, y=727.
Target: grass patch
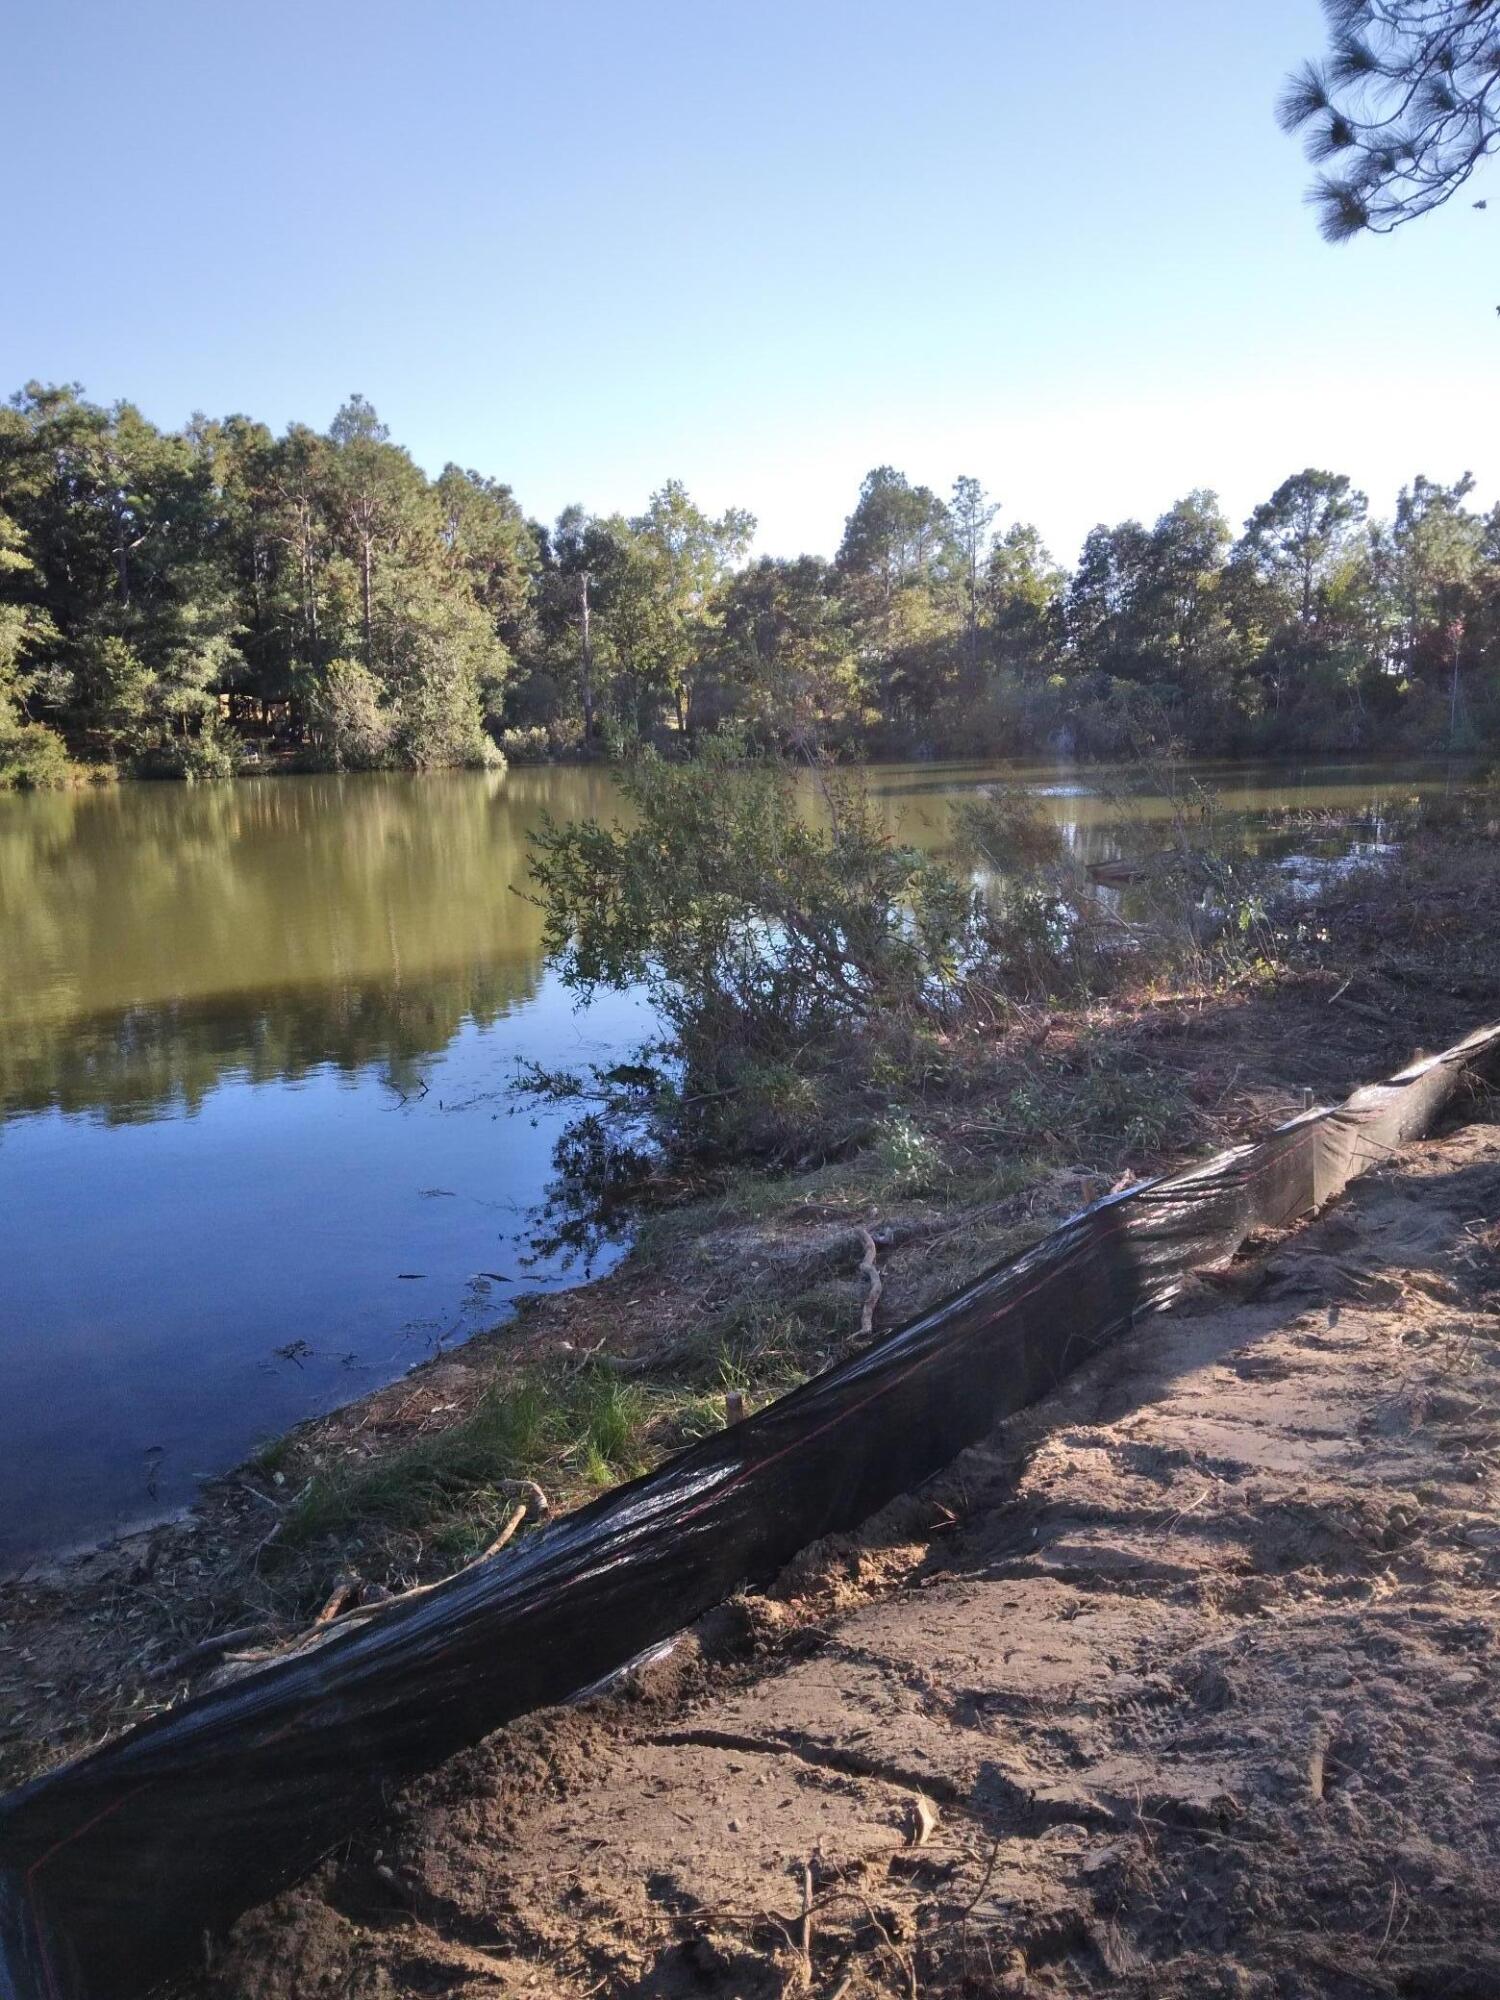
x=582, y=1429
x=1122, y=1108
x=575, y=1430
x=760, y=1342
x=902, y=1163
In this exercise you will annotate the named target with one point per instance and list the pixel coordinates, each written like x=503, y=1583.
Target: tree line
x=171, y=601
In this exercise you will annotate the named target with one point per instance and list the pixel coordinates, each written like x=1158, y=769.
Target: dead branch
x=504, y=1535
x=872, y=1279
x=212, y=1649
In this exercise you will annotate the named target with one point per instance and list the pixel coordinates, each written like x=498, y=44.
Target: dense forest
x=179, y=603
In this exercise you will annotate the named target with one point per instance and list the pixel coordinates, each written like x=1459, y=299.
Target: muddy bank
x=1179, y=1685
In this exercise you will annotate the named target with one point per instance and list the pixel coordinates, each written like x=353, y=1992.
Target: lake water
x=258, y=1149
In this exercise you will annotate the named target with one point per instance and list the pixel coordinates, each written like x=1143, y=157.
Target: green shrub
x=1114, y=1109
x=1143, y=1110
x=213, y=753
x=779, y=952
x=351, y=723
x=33, y=758
x=907, y=1159
x=526, y=746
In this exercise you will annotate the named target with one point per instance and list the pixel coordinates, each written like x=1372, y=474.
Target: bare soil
x=1181, y=1685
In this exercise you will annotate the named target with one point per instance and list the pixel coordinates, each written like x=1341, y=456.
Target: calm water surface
x=257, y=1150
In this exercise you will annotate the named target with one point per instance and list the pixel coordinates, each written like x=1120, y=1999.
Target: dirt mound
x=1181, y=1685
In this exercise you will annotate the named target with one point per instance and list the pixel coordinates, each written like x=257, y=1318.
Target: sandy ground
x=1184, y=1684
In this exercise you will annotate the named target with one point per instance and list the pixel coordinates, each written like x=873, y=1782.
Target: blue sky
x=760, y=248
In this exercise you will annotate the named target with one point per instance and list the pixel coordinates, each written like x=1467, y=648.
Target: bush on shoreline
x=784, y=955
x=809, y=974
x=33, y=759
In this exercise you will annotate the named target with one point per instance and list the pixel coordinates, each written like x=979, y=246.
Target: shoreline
x=135, y=1056
x=746, y=1290
x=83, y=777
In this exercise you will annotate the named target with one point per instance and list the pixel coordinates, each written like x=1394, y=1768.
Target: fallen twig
x=266, y=1540
x=805, y=1927
x=1317, y=1763
x=534, y=1505
x=344, y=1588
x=211, y=1649
x=517, y=1517
x=872, y=1279
x=537, y=1505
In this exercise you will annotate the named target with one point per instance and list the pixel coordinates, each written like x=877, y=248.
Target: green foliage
x=774, y=946
x=154, y=578
x=1295, y=541
x=32, y=758
x=349, y=719
x=1147, y=607
x=766, y=1337
x=503, y=1438
x=782, y=661
x=906, y=1158
x=1107, y=1105
x=1044, y=941
x=526, y=746
x=319, y=595
x=583, y=1422
x=442, y=662
x=214, y=752
x=25, y=629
